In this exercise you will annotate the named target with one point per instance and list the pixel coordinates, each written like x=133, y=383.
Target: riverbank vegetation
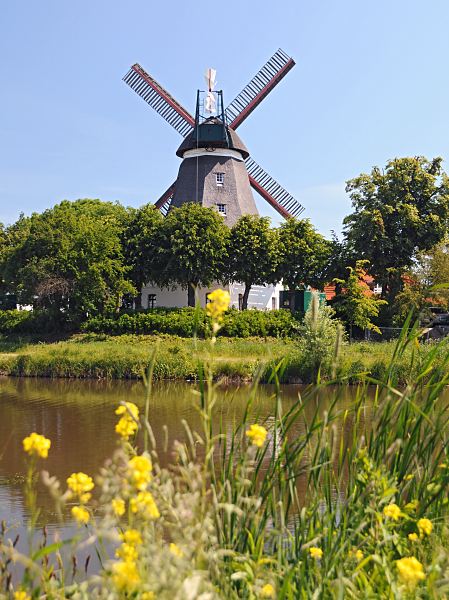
x=226, y=520
x=126, y=357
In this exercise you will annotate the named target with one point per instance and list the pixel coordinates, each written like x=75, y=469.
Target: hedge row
x=185, y=322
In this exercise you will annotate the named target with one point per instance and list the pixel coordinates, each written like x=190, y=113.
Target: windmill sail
x=259, y=86
x=159, y=99
x=272, y=191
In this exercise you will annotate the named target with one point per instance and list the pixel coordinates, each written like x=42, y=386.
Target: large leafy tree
x=398, y=212
x=191, y=249
x=139, y=238
x=304, y=254
x=68, y=259
x=253, y=253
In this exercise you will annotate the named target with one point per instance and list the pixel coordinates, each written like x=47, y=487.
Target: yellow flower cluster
x=128, y=423
x=81, y=485
x=267, y=591
x=413, y=537
x=392, y=511
x=218, y=304
x=424, y=527
x=140, y=468
x=145, y=505
x=257, y=435
x=176, y=550
x=118, y=506
x=315, y=552
x=125, y=575
x=411, y=571
x=80, y=514
x=36, y=445
x=124, y=572
x=356, y=554
x=21, y=595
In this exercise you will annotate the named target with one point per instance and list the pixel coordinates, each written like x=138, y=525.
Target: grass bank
x=126, y=357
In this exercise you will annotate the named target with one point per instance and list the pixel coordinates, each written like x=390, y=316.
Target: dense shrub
x=12, y=320
x=186, y=321
x=320, y=335
x=30, y=322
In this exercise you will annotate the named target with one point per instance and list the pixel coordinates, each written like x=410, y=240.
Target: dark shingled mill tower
x=213, y=171
x=216, y=168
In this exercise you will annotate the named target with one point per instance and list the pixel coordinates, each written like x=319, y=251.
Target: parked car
x=438, y=327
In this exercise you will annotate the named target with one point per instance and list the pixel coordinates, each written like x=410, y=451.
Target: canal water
x=78, y=416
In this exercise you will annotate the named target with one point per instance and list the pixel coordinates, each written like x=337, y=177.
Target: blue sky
x=371, y=83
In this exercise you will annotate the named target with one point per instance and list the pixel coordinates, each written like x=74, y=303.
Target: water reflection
x=78, y=416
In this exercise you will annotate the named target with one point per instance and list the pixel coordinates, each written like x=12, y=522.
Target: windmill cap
x=191, y=141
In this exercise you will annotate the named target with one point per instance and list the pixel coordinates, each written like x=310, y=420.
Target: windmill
x=212, y=141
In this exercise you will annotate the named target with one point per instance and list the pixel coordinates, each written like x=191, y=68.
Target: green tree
x=356, y=303
x=253, y=253
x=398, y=212
x=68, y=260
x=139, y=240
x=303, y=255
x=425, y=285
x=191, y=249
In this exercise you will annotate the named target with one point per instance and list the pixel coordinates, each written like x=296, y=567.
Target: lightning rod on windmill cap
x=210, y=76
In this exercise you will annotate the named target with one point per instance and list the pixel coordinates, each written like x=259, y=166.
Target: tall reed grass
x=227, y=519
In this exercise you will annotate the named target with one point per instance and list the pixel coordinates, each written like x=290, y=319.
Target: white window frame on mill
x=219, y=179
x=222, y=209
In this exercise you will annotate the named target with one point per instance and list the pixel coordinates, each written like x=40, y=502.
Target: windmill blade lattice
x=159, y=99
x=259, y=86
x=272, y=191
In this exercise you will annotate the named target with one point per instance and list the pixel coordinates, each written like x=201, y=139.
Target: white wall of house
x=261, y=297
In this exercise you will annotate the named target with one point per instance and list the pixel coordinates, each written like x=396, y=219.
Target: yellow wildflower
x=129, y=408
x=315, y=552
x=118, y=506
x=148, y=596
x=425, y=527
x=218, y=304
x=131, y=536
x=127, y=552
x=125, y=575
x=393, y=511
x=81, y=485
x=144, y=504
x=409, y=477
x=410, y=570
x=267, y=591
x=36, y=445
x=21, y=595
x=140, y=468
x=80, y=514
x=176, y=550
x=359, y=555
x=257, y=435
x=127, y=425
x=413, y=537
